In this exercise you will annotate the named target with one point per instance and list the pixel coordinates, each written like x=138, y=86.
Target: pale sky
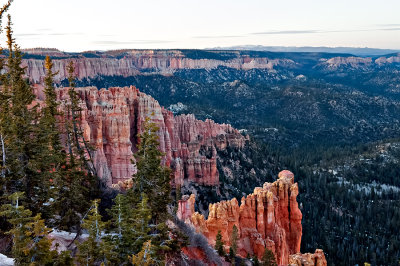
x=79, y=25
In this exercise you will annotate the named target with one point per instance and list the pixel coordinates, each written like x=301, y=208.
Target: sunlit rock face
x=268, y=218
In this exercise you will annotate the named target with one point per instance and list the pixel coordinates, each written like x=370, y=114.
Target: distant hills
x=359, y=51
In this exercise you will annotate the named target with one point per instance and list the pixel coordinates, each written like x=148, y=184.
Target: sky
x=81, y=25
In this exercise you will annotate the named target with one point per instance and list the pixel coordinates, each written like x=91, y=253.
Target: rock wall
x=112, y=119
x=268, y=218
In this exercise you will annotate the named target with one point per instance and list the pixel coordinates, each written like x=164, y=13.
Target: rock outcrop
x=268, y=218
x=186, y=207
x=388, y=60
x=308, y=259
x=112, y=119
x=336, y=63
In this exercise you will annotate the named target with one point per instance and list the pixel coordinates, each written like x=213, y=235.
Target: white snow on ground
x=6, y=261
x=62, y=239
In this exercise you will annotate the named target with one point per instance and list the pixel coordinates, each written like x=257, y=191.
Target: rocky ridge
x=268, y=218
x=134, y=62
x=353, y=62
x=127, y=63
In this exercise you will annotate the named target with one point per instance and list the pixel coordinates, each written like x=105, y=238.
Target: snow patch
x=6, y=261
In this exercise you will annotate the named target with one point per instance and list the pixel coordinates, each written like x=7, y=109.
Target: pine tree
x=77, y=184
x=23, y=170
x=122, y=220
x=232, y=255
x=234, y=240
x=268, y=258
x=50, y=110
x=94, y=250
x=40, y=252
x=152, y=180
x=219, y=244
x=30, y=243
x=76, y=139
x=18, y=217
x=141, y=216
x=51, y=150
x=4, y=105
x=145, y=257
x=255, y=260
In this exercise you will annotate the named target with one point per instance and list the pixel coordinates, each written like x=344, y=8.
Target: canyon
x=302, y=111
x=268, y=218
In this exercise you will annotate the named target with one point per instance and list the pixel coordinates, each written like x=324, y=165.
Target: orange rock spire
x=268, y=218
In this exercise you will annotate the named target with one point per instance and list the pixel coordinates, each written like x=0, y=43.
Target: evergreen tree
x=255, y=260
x=268, y=258
x=141, y=226
x=123, y=219
x=51, y=150
x=152, y=178
x=145, y=257
x=131, y=227
x=232, y=255
x=153, y=181
x=40, y=252
x=30, y=243
x=23, y=166
x=76, y=140
x=4, y=104
x=219, y=244
x=234, y=240
x=77, y=184
x=94, y=250
x=50, y=110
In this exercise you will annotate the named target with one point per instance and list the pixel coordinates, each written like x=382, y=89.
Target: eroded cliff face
x=268, y=218
x=136, y=61
x=112, y=119
x=354, y=62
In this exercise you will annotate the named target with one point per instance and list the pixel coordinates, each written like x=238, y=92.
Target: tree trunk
x=3, y=149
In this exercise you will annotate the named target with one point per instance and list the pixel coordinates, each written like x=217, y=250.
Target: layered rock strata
x=112, y=119
x=268, y=218
x=133, y=62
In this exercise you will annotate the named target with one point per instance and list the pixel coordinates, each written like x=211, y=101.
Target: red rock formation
x=308, y=259
x=268, y=218
x=186, y=207
x=111, y=120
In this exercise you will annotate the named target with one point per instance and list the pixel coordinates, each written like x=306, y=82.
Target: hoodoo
x=269, y=218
